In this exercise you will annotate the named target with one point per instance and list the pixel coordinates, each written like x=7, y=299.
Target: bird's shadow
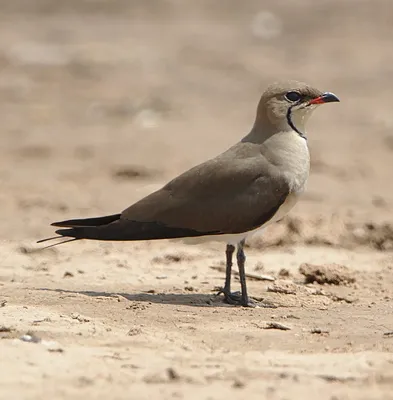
x=192, y=299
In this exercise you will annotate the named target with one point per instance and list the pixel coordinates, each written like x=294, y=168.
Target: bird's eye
x=293, y=96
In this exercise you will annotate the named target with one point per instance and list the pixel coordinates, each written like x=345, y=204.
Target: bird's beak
x=327, y=97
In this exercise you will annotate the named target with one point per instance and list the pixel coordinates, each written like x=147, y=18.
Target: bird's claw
x=236, y=298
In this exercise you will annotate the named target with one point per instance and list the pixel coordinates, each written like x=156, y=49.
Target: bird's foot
x=236, y=298
x=248, y=303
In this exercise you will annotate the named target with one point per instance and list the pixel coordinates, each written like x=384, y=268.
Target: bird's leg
x=241, y=259
x=236, y=297
x=229, y=254
x=230, y=298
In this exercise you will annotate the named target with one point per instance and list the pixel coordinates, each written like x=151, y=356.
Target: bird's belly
x=232, y=238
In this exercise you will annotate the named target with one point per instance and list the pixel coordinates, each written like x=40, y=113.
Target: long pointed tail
x=114, y=228
x=78, y=228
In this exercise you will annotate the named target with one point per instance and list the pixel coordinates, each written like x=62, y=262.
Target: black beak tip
x=329, y=97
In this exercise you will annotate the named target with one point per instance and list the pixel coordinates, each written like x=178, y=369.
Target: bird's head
x=287, y=106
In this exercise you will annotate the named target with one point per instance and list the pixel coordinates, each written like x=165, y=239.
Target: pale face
x=287, y=106
x=300, y=105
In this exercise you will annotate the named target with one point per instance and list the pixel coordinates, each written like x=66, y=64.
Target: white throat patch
x=300, y=116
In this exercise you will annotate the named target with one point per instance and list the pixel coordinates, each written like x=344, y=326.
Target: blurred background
x=102, y=102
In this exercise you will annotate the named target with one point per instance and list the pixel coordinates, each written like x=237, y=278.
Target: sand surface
x=103, y=102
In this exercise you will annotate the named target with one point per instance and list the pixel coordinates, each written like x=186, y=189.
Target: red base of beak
x=325, y=98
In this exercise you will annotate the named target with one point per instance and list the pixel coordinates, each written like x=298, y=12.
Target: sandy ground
x=101, y=103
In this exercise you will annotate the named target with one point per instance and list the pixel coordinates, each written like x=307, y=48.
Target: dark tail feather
x=114, y=228
x=56, y=244
x=80, y=225
x=47, y=239
x=87, y=221
x=128, y=230
x=86, y=232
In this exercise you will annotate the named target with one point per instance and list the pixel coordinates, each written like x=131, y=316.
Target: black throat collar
x=292, y=125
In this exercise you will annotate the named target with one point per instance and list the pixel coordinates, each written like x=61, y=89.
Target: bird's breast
x=289, y=154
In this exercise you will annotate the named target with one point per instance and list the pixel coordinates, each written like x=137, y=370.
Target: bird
x=251, y=185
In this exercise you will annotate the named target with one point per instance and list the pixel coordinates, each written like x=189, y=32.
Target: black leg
x=229, y=254
x=230, y=298
x=236, y=297
x=241, y=260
